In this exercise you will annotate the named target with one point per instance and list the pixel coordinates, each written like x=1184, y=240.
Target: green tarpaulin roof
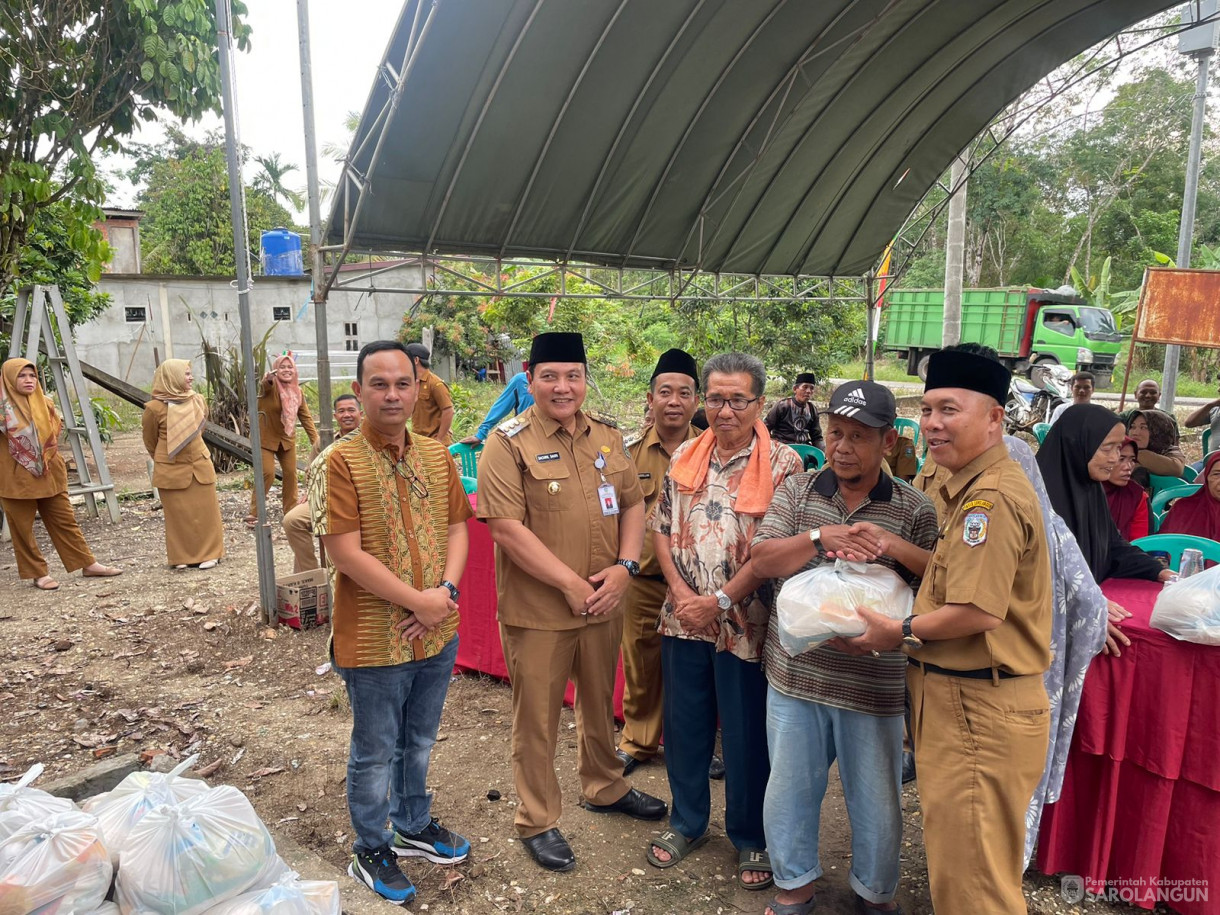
x=745, y=136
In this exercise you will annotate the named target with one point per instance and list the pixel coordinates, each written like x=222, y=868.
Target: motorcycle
x=1032, y=402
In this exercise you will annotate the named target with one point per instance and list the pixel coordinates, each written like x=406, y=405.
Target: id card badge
x=608, y=498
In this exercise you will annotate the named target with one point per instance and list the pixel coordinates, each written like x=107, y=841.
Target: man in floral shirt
x=714, y=619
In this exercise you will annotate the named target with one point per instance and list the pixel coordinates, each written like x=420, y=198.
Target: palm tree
x=270, y=180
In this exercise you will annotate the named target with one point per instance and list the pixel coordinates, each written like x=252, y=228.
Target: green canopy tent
x=756, y=137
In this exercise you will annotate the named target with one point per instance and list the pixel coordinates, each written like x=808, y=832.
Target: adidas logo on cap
x=856, y=397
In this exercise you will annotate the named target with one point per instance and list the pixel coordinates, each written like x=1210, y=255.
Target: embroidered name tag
x=645, y=476
x=543, y=458
x=978, y=503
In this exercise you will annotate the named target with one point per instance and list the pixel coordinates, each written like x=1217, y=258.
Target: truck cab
x=1077, y=336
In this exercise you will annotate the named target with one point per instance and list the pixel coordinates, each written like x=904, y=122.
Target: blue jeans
x=395, y=714
x=700, y=683
x=804, y=739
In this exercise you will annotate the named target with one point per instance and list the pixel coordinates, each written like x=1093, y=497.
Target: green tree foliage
x=270, y=180
x=76, y=76
x=186, y=227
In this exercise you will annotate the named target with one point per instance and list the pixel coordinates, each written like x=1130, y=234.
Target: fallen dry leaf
x=238, y=662
x=267, y=771
x=267, y=634
x=210, y=625
x=102, y=752
x=209, y=768
x=147, y=756
x=452, y=877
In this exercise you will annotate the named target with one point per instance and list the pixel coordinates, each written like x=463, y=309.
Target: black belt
x=982, y=673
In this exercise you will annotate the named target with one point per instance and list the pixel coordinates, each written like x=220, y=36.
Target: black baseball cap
x=864, y=401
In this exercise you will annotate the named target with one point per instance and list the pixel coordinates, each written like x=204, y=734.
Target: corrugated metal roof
x=776, y=137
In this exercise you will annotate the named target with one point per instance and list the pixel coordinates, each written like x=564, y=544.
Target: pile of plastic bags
x=1189, y=609
x=155, y=844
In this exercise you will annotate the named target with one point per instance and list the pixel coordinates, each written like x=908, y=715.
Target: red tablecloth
x=478, y=632
x=1140, y=808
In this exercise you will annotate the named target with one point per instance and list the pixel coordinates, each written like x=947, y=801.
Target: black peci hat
x=557, y=347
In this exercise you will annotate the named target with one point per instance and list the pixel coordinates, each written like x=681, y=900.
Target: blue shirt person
x=515, y=399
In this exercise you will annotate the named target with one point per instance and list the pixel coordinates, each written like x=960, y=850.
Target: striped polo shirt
x=874, y=686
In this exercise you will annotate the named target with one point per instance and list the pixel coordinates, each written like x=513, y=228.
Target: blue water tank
x=281, y=253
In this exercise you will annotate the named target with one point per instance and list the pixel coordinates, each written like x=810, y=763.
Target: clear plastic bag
x=289, y=895
x=119, y=810
x=820, y=604
x=1189, y=609
x=54, y=865
x=184, y=859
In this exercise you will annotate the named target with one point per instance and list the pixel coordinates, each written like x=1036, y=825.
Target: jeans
x=804, y=739
x=395, y=715
x=700, y=683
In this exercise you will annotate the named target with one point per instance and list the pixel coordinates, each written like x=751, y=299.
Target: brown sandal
x=103, y=572
x=52, y=584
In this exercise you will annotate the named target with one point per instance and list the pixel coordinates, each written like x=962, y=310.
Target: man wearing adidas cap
x=825, y=703
x=979, y=641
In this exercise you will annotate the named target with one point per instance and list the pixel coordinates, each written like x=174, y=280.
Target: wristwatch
x=452, y=589
x=910, y=641
x=723, y=601
x=632, y=567
x=815, y=537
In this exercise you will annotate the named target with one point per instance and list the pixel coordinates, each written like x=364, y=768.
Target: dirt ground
x=159, y=660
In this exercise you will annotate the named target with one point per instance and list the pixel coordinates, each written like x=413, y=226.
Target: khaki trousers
x=60, y=522
x=540, y=663
x=298, y=528
x=287, y=455
x=980, y=749
x=642, y=706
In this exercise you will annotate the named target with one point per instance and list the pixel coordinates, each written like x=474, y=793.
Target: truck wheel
x=921, y=369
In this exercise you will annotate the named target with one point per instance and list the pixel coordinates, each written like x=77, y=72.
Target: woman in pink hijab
x=280, y=404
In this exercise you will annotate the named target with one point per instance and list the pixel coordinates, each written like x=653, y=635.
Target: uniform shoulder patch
x=974, y=529
x=633, y=440
x=978, y=503
x=604, y=418
x=511, y=427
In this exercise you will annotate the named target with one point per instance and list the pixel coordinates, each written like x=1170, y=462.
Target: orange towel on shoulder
x=757, y=485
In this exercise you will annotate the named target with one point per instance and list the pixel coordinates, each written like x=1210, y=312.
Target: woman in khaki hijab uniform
x=280, y=404
x=182, y=469
x=34, y=479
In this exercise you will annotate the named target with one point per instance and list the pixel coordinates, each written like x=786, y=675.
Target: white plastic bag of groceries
x=820, y=604
x=119, y=810
x=290, y=895
x=20, y=803
x=56, y=864
x=1189, y=609
x=184, y=859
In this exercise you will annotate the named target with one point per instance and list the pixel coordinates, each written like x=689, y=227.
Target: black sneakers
x=378, y=870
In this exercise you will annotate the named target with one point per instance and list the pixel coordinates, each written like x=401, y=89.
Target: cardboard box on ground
x=303, y=600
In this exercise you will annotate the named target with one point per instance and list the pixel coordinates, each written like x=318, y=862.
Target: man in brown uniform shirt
x=563, y=504
x=672, y=397
x=433, y=413
x=979, y=640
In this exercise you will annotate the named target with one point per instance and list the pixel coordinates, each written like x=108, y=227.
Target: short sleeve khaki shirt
x=992, y=553
x=434, y=399
x=652, y=462
x=533, y=471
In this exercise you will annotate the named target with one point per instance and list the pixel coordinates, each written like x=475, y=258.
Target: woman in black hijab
x=1079, y=453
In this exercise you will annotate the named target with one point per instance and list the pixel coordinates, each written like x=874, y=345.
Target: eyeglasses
x=418, y=489
x=736, y=404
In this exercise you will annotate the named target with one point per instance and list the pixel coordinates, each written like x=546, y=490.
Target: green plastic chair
x=1161, y=483
x=1189, y=474
x=1173, y=544
x=1160, y=502
x=470, y=484
x=908, y=425
x=467, y=457
x=813, y=457
x=1207, y=438
x=1040, y=430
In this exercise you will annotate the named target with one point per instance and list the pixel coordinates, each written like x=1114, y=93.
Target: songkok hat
x=960, y=369
x=864, y=401
x=677, y=360
x=557, y=347
x=805, y=378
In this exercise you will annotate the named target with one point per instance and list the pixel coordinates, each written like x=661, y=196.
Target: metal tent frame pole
x=241, y=256
x=325, y=410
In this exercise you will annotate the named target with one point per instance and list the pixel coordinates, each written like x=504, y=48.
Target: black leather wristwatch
x=910, y=641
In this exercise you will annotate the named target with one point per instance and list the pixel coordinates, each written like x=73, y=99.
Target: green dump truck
x=1027, y=327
